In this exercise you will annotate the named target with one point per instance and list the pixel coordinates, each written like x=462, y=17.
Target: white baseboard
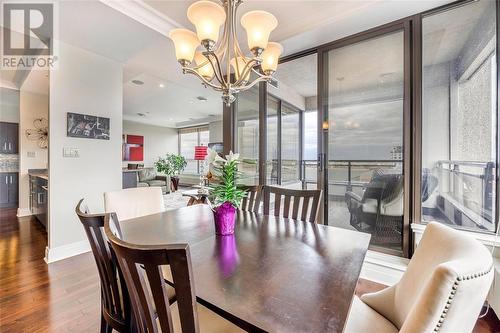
x=383, y=268
x=66, y=251
x=23, y=212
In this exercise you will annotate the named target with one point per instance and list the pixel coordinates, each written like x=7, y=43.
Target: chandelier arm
x=219, y=50
x=218, y=71
x=246, y=70
x=257, y=80
x=235, y=35
x=229, y=22
x=188, y=70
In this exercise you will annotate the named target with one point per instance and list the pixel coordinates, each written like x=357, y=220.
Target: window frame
x=412, y=26
x=191, y=129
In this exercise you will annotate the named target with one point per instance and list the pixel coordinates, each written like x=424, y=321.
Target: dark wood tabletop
x=273, y=274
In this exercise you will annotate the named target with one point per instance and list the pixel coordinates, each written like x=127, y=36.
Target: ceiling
x=148, y=55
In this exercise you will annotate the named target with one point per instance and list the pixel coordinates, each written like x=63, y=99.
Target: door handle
x=11, y=179
x=10, y=146
x=5, y=146
x=6, y=180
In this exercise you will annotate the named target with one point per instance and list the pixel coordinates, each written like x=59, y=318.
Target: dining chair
x=134, y=202
x=442, y=290
x=142, y=267
x=253, y=199
x=302, y=202
x=115, y=307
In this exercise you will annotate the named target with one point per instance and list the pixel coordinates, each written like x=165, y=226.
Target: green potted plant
x=171, y=165
x=226, y=196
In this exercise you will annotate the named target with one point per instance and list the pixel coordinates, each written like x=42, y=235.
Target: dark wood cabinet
x=9, y=138
x=9, y=189
x=39, y=198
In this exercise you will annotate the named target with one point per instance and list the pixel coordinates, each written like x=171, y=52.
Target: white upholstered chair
x=442, y=290
x=134, y=202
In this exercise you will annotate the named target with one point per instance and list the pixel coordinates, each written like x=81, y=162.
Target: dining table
x=273, y=275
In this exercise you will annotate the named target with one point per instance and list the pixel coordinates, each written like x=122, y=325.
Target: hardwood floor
x=65, y=296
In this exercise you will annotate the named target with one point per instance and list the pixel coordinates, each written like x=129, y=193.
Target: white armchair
x=134, y=202
x=442, y=290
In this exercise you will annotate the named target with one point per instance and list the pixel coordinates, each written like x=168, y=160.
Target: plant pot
x=175, y=183
x=224, y=218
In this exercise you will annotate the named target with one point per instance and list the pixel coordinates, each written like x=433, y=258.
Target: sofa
x=147, y=177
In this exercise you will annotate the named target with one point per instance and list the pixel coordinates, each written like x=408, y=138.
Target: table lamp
x=200, y=153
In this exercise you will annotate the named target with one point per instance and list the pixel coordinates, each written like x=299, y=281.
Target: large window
x=272, y=141
x=290, y=145
x=365, y=138
x=248, y=135
x=188, y=139
x=459, y=116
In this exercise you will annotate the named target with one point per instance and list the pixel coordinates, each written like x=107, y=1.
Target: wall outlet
x=31, y=154
x=71, y=152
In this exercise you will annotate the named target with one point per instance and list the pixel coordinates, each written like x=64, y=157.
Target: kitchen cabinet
x=9, y=138
x=9, y=189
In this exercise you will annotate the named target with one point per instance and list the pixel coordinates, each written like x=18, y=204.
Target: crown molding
x=144, y=14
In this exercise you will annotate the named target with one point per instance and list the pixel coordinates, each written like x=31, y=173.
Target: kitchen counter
x=40, y=173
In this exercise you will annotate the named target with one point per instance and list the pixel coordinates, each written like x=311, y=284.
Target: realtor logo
x=28, y=35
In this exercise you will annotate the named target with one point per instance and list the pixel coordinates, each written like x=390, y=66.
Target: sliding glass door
x=364, y=178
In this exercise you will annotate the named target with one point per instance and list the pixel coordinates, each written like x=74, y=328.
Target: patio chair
x=379, y=210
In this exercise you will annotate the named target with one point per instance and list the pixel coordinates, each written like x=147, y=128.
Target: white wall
x=158, y=140
x=32, y=106
x=90, y=84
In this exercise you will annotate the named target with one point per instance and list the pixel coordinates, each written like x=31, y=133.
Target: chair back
x=253, y=199
x=300, y=202
x=141, y=266
x=134, y=202
x=444, y=286
x=114, y=294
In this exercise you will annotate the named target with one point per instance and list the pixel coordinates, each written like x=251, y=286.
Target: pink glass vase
x=224, y=218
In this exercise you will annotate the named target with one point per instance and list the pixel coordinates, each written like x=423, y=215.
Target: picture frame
x=87, y=126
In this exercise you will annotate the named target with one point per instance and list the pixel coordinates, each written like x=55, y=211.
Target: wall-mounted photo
x=86, y=126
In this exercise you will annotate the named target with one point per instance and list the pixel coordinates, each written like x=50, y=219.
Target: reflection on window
x=248, y=135
x=459, y=117
x=188, y=139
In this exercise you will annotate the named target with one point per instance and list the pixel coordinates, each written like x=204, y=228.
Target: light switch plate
x=71, y=152
x=31, y=154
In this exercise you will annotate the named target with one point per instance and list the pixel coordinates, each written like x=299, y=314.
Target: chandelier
x=221, y=64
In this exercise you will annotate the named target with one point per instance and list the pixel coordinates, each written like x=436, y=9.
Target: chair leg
x=105, y=328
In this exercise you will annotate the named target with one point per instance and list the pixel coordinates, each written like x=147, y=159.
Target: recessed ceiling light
x=138, y=82
x=161, y=85
x=201, y=98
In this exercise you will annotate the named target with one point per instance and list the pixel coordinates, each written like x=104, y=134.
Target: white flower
x=232, y=157
x=214, y=158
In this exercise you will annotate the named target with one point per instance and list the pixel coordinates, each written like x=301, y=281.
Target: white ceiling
x=148, y=55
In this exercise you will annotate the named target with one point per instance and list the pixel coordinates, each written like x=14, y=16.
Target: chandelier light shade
x=204, y=67
x=270, y=57
x=220, y=64
x=258, y=25
x=207, y=17
x=186, y=43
